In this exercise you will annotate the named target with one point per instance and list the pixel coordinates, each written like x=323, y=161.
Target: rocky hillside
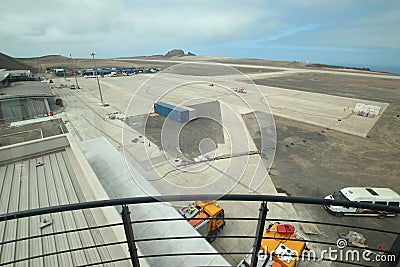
x=178, y=53
x=10, y=63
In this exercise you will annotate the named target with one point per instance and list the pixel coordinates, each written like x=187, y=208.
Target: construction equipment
x=206, y=216
x=282, y=246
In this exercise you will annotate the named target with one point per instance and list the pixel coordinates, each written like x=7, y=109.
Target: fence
x=132, y=243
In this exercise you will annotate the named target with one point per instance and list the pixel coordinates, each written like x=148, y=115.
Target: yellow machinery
x=281, y=246
x=207, y=217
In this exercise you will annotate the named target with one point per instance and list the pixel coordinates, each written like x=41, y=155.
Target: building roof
x=28, y=130
x=49, y=172
x=370, y=192
x=3, y=75
x=26, y=89
x=120, y=181
x=19, y=72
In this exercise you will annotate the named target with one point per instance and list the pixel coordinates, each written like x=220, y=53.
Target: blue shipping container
x=60, y=73
x=172, y=112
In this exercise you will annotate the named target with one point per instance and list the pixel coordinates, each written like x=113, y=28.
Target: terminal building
x=22, y=98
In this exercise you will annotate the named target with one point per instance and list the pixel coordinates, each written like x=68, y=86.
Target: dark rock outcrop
x=175, y=53
x=178, y=53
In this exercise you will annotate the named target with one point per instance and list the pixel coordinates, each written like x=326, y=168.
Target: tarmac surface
x=315, y=161
x=313, y=158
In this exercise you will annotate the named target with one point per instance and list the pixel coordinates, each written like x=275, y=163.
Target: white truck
x=370, y=195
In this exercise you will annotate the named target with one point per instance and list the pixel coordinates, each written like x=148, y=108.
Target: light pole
x=73, y=70
x=97, y=77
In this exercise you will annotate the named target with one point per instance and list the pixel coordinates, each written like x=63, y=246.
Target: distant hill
x=175, y=53
x=46, y=59
x=178, y=53
x=10, y=63
x=49, y=61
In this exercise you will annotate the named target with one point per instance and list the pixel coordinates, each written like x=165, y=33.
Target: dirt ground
x=312, y=161
x=190, y=137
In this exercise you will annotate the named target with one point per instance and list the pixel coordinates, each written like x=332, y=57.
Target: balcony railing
x=393, y=253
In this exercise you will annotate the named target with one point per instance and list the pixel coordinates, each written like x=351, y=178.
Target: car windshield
x=339, y=196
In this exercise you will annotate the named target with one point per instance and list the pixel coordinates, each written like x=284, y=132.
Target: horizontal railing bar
x=62, y=251
x=171, y=254
x=187, y=219
x=249, y=237
x=233, y=197
x=184, y=237
x=268, y=219
x=104, y=262
x=336, y=224
x=236, y=253
x=61, y=232
x=172, y=198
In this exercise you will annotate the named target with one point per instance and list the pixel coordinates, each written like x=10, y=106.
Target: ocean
x=391, y=69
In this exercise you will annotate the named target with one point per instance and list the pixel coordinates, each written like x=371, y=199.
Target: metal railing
x=131, y=242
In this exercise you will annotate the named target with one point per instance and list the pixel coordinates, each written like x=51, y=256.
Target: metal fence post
x=259, y=232
x=126, y=219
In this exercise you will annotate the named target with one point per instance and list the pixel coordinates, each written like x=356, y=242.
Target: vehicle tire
x=343, y=236
x=339, y=214
x=212, y=238
x=381, y=215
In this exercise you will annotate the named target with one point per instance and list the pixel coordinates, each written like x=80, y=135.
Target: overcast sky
x=348, y=32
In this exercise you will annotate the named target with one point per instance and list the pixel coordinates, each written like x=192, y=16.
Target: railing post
x=259, y=233
x=126, y=219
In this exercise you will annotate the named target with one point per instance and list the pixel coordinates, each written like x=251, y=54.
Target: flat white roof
x=119, y=181
x=370, y=192
x=27, y=89
x=25, y=122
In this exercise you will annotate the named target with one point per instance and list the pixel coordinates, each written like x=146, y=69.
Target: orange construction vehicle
x=206, y=216
x=282, y=246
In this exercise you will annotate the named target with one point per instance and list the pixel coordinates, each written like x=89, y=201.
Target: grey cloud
x=118, y=28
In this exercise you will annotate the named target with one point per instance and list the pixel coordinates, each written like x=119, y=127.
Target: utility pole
x=73, y=70
x=97, y=77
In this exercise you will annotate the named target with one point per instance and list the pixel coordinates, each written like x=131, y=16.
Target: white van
x=370, y=195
